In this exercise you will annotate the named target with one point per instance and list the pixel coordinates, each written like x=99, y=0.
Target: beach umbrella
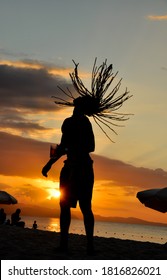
x=154, y=198
x=6, y=198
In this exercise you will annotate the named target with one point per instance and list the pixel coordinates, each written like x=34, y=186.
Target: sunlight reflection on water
x=149, y=233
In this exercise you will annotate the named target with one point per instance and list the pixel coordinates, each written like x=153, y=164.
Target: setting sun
x=54, y=193
x=52, y=188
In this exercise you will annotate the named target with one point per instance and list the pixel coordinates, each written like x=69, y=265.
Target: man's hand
x=45, y=169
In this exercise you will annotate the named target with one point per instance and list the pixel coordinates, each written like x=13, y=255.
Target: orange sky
x=116, y=183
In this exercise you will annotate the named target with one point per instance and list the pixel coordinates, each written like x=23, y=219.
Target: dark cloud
x=123, y=174
x=27, y=88
x=14, y=119
x=24, y=91
x=26, y=157
x=22, y=156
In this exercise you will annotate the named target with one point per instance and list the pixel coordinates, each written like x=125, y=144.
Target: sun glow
x=53, y=193
x=52, y=188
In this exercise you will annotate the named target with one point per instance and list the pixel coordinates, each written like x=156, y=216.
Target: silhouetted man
x=77, y=177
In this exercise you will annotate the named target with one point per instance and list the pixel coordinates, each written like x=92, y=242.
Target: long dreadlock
x=99, y=104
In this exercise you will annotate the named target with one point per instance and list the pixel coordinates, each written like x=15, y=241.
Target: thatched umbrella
x=6, y=198
x=154, y=198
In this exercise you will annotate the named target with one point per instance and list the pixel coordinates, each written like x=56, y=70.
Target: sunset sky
x=39, y=39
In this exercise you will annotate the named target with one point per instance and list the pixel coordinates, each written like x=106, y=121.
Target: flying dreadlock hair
x=99, y=104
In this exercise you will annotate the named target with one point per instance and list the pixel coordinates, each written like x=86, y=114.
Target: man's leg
x=65, y=220
x=89, y=224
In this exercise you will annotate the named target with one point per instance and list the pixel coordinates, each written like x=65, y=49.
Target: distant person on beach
x=2, y=216
x=34, y=226
x=77, y=142
x=15, y=219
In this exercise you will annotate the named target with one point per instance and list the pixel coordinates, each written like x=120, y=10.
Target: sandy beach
x=27, y=244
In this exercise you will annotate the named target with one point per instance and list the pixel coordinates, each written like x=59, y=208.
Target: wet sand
x=28, y=244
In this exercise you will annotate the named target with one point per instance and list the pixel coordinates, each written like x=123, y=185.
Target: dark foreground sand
x=27, y=244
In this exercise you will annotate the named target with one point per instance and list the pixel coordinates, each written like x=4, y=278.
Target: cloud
x=157, y=17
x=25, y=92
x=26, y=157
x=22, y=156
x=116, y=182
x=30, y=193
x=30, y=89
x=13, y=120
x=26, y=88
x=123, y=174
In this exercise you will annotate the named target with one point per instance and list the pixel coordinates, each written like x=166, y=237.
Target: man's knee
x=85, y=208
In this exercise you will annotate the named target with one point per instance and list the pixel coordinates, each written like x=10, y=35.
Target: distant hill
x=40, y=211
x=34, y=210
x=129, y=220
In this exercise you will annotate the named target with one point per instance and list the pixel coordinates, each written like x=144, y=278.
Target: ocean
x=150, y=233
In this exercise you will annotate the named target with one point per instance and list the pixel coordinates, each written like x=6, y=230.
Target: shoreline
x=137, y=232
x=28, y=244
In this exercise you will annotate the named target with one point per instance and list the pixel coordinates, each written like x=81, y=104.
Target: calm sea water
x=149, y=233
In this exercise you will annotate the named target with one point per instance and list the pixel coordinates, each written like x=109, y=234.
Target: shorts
x=76, y=183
